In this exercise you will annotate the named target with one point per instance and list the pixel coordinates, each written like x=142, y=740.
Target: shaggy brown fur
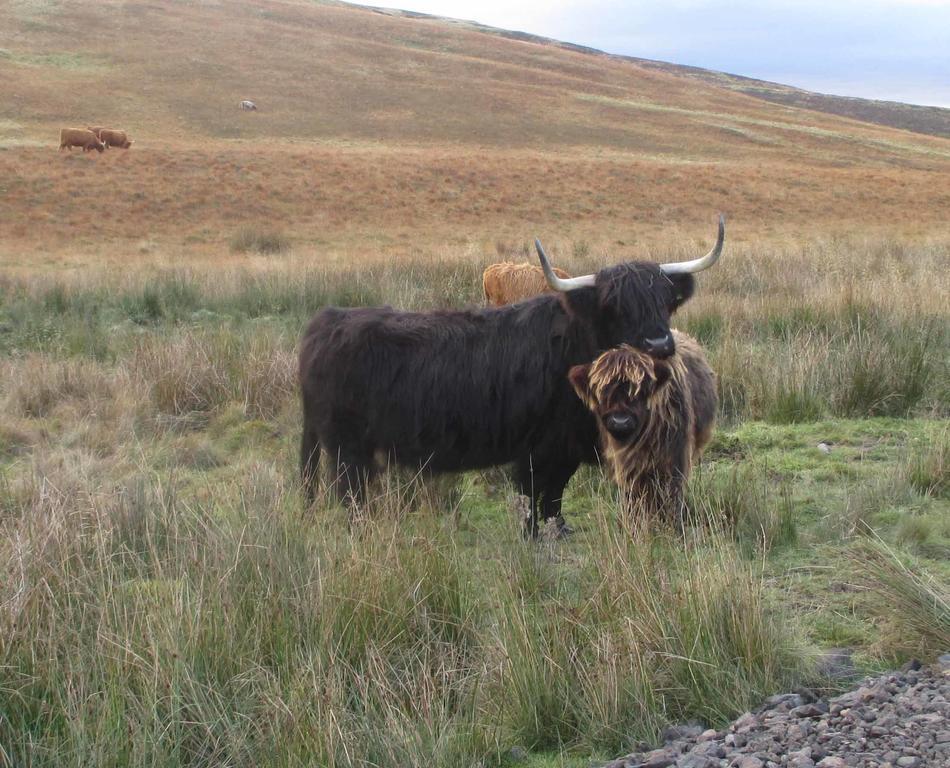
x=654, y=417
x=507, y=282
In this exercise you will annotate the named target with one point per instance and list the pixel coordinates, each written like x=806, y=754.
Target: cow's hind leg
x=309, y=464
x=525, y=479
x=354, y=470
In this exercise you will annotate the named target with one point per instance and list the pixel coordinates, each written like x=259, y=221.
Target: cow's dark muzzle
x=661, y=347
x=620, y=425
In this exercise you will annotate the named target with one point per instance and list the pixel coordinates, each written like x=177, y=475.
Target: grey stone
x=697, y=761
x=710, y=749
x=810, y=710
x=749, y=761
x=685, y=731
x=744, y=723
x=908, y=762
x=659, y=758
x=836, y=664
x=831, y=762
x=784, y=701
x=800, y=761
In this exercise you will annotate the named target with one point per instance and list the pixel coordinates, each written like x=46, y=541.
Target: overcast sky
x=881, y=49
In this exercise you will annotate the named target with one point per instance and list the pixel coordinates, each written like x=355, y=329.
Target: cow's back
x=77, y=137
x=454, y=390
x=508, y=282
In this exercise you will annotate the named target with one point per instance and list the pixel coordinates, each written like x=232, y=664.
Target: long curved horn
x=698, y=265
x=560, y=283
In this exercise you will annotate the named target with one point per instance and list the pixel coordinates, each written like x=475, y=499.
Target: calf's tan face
x=617, y=388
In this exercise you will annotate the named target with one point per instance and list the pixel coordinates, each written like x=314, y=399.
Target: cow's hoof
x=556, y=528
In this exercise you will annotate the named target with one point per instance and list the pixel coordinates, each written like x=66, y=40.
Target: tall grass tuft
x=914, y=603
x=927, y=469
x=742, y=503
x=656, y=629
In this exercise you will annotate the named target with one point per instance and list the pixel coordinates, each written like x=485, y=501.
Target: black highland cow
x=461, y=390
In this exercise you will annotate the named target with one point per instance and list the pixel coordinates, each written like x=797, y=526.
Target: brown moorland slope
x=919, y=118
x=381, y=134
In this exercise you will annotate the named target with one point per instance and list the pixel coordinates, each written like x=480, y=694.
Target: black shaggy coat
x=469, y=389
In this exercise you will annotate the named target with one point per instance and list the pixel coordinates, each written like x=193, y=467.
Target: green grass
x=166, y=601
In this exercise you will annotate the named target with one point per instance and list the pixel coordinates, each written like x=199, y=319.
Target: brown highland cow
x=654, y=417
x=507, y=282
x=79, y=137
x=113, y=138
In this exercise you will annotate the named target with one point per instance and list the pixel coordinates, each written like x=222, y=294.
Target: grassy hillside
x=379, y=134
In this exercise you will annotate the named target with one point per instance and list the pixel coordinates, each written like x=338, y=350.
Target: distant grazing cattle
x=654, y=417
x=112, y=138
x=460, y=390
x=507, y=282
x=79, y=137
x=248, y=106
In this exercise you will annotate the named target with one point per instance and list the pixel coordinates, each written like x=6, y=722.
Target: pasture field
x=164, y=599
x=166, y=602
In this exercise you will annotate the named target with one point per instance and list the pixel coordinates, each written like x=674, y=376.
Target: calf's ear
x=579, y=376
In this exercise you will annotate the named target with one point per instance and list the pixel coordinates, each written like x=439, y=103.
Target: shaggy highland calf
x=654, y=417
x=459, y=390
x=79, y=137
x=507, y=282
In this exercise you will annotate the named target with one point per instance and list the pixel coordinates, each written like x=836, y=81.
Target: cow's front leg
x=544, y=484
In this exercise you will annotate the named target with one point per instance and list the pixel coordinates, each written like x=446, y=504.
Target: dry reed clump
x=200, y=371
x=263, y=241
x=38, y=385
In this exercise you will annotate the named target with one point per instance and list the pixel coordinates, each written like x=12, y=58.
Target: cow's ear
x=682, y=288
x=579, y=376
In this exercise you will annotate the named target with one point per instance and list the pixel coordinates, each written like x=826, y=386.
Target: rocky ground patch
x=897, y=720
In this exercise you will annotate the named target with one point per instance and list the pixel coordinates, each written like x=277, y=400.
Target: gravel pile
x=898, y=720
